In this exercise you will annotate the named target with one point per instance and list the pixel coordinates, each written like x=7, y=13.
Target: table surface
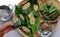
x=14, y=33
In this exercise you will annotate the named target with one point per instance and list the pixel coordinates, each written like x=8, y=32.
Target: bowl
x=42, y=30
x=6, y=9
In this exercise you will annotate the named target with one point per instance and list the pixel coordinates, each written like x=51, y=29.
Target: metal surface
x=9, y=9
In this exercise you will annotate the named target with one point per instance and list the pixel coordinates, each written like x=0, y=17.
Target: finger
x=6, y=25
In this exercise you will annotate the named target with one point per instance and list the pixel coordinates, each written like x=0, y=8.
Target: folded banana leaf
x=17, y=23
x=26, y=22
x=53, y=13
x=18, y=10
x=54, y=17
x=36, y=14
x=50, y=12
x=45, y=8
x=46, y=17
x=52, y=8
x=33, y=28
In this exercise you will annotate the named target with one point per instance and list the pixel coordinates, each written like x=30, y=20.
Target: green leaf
x=54, y=17
x=26, y=22
x=28, y=10
x=46, y=17
x=19, y=10
x=45, y=8
x=17, y=23
x=52, y=8
x=55, y=12
x=36, y=14
x=34, y=27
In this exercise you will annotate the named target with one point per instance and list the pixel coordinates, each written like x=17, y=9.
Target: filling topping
x=32, y=20
x=26, y=6
x=35, y=7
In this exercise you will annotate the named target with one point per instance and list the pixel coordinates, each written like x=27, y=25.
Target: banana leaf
x=53, y=13
x=59, y=12
x=54, y=17
x=17, y=23
x=19, y=10
x=45, y=8
x=30, y=34
x=26, y=22
x=36, y=14
x=52, y=8
x=46, y=17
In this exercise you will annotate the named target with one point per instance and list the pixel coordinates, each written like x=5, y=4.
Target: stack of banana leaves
x=28, y=14
x=49, y=11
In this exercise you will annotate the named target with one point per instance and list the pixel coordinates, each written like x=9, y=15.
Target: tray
x=54, y=23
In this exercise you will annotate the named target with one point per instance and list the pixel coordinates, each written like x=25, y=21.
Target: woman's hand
x=5, y=28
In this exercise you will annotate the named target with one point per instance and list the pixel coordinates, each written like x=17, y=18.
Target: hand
x=5, y=28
